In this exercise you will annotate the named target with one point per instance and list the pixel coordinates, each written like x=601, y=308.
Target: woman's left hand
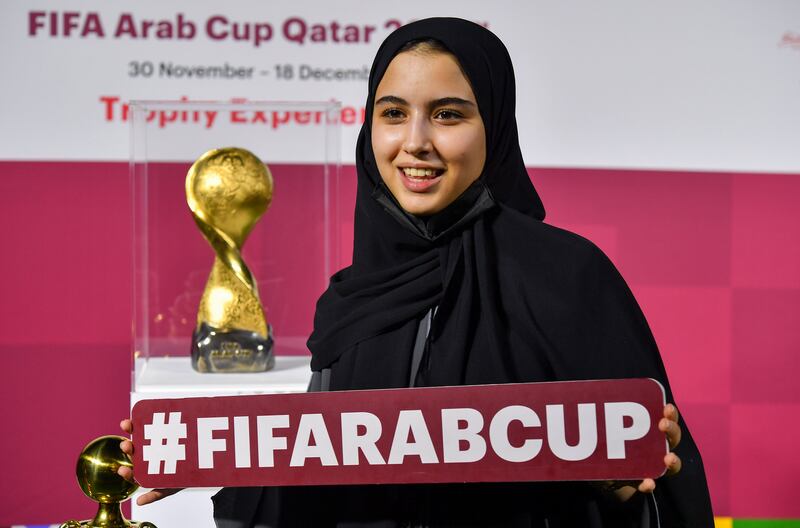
x=669, y=426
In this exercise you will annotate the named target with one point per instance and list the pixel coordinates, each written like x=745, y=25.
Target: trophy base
x=232, y=351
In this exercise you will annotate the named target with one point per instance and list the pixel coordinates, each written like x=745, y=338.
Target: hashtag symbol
x=164, y=443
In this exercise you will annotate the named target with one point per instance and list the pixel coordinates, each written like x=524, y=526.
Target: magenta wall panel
x=692, y=327
x=673, y=228
x=713, y=258
x=763, y=460
x=765, y=227
x=765, y=352
x=65, y=274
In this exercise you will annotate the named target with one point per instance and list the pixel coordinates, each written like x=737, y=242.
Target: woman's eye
x=447, y=115
x=392, y=113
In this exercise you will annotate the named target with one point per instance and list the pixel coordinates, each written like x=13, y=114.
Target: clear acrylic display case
x=292, y=251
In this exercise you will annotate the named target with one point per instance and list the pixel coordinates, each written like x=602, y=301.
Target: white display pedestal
x=173, y=377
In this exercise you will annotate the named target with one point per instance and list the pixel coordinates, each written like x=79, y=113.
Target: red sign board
x=578, y=430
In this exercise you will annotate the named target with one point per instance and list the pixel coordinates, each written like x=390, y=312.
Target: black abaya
x=517, y=301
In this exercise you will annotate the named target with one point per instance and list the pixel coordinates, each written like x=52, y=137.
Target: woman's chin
x=423, y=205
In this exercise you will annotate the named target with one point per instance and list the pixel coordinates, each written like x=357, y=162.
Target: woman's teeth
x=420, y=173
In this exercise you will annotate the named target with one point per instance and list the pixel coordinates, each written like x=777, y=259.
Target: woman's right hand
x=127, y=473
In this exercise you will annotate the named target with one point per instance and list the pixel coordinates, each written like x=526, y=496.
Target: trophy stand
x=193, y=303
x=98, y=479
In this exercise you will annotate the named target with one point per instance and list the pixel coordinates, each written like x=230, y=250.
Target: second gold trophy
x=228, y=190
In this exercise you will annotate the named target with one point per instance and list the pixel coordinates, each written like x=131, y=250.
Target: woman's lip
x=401, y=167
x=418, y=185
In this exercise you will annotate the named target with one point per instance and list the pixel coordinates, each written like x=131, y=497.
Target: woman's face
x=427, y=134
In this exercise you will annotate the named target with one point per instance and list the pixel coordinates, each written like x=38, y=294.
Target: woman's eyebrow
x=444, y=101
x=391, y=99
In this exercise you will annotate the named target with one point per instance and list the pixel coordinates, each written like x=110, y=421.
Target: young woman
x=456, y=280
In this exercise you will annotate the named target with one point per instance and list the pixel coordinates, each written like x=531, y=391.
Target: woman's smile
x=420, y=180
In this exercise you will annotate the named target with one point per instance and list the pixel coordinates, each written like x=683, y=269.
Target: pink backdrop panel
x=692, y=327
x=766, y=341
x=765, y=224
x=673, y=228
x=712, y=258
x=763, y=460
x=66, y=266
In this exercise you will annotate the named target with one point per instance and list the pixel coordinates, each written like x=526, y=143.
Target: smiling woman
x=457, y=281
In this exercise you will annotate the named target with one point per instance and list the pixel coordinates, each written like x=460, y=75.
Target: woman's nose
x=418, y=137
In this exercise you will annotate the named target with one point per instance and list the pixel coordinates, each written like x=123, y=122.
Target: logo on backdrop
x=115, y=110
x=583, y=430
x=791, y=40
x=295, y=29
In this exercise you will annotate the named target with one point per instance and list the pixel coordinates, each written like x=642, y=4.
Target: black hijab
x=517, y=300
x=398, y=272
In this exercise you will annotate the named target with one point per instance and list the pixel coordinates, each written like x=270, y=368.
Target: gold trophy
x=228, y=190
x=97, y=477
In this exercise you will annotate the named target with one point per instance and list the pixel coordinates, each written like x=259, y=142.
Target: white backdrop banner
x=711, y=85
